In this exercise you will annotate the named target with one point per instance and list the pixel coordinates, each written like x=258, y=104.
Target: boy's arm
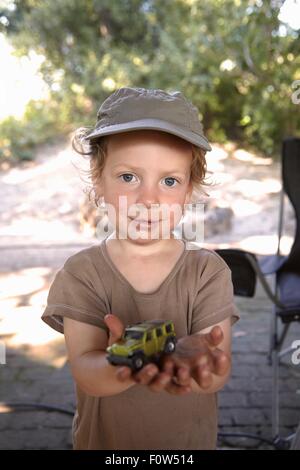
x=92, y=372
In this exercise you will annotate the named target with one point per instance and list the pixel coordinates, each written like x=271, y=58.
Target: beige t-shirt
x=196, y=294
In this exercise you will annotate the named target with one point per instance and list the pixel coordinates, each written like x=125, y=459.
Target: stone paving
x=37, y=371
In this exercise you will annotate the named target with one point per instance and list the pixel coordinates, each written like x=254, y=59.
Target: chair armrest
x=242, y=271
x=245, y=270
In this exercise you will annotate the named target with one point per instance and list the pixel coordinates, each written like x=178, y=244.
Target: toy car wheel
x=110, y=360
x=137, y=361
x=169, y=346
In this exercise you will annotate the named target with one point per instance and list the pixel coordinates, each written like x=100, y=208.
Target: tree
x=232, y=58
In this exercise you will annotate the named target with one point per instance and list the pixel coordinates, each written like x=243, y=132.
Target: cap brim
x=154, y=124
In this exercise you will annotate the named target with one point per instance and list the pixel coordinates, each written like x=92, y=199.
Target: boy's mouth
x=146, y=222
x=149, y=222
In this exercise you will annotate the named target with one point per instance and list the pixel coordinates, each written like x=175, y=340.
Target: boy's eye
x=127, y=177
x=169, y=181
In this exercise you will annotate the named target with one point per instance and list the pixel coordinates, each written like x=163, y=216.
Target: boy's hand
x=116, y=328
x=198, y=356
x=150, y=374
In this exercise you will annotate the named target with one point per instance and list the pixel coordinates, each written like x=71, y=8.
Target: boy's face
x=147, y=168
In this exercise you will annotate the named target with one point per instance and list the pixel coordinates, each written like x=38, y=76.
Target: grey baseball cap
x=130, y=109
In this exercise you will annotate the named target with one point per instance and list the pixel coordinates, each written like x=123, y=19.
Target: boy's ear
x=97, y=185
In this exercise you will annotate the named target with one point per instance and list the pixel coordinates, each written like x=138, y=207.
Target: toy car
x=142, y=343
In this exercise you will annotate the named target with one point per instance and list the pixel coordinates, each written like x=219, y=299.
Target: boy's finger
x=215, y=336
x=115, y=327
x=160, y=382
x=183, y=376
x=146, y=374
x=221, y=363
x=204, y=360
x=123, y=373
x=203, y=377
x=168, y=367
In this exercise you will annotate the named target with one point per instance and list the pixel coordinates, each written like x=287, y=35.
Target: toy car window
x=158, y=332
x=168, y=328
x=148, y=337
x=131, y=334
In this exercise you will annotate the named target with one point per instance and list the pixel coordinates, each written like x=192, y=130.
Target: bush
x=40, y=123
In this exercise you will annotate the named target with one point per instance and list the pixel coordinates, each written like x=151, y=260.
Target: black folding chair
x=285, y=293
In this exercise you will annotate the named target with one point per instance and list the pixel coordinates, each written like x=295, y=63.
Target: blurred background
x=238, y=61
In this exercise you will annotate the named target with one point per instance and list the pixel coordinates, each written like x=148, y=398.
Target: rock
x=218, y=220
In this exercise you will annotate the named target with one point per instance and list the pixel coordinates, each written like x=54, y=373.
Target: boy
x=148, y=148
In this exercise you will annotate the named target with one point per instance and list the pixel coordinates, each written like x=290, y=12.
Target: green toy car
x=142, y=343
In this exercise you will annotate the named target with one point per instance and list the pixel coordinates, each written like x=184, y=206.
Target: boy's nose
x=148, y=197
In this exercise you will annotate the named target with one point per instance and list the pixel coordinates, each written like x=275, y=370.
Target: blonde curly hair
x=96, y=150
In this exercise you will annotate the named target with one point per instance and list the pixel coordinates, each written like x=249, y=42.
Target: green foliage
x=232, y=58
x=18, y=137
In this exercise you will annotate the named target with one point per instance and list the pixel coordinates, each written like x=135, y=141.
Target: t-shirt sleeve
x=214, y=300
x=73, y=295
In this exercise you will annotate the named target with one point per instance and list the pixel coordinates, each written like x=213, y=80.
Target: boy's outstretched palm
x=198, y=356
